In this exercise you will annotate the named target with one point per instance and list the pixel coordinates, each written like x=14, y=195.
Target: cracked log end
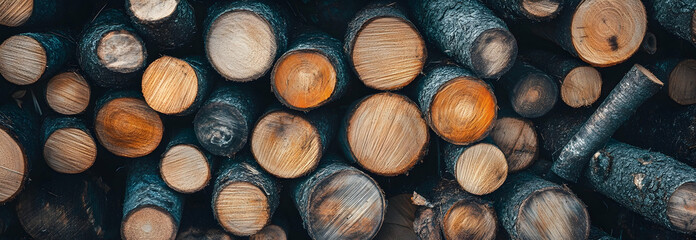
x=121, y=51
x=682, y=84
x=517, y=139
x=170, y=85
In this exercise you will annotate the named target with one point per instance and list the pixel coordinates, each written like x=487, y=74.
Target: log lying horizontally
x=68, y=145
x=169, y=24
x=677, y=17
x=517, y=139
x=479, y=168
x=177, y=86
x=28, y=57
x=678, y=75
x=185, y=166
x=68, y=93
x=19, y=145
x=532, y=93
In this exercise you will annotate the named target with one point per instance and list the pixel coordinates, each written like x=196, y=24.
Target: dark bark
x=52, y=124
x=514, y=10
x=59, y=50
x=46, y=13
x=173, y=31
x=532, y=92
x=205, y=76
x=22, y=125
x=675, y=16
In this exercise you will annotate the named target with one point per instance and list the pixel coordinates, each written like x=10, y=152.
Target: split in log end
x=185, y=168
x=493, y=52
x=552, y=214
x=682, y=84
x=151, y=11
x=14, y=13
x=581, y=87
x=463, y=110
x=681, y=208
x=68, y=93
x=22, y=60
x=469, y=220
x=304, y=79
x=242, y=208
x=481, y=169
x=270, y=232
x=220, y=128
x=149, y=223
x=70, y=150
x=128, y=127
x=121, y=51
x=13, y=166
x=541, y=8
x=170, y=85
x=517, y=139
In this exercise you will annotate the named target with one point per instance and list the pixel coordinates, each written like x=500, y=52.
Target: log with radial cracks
x=29, y=57
x=68, y=145
x=185, y=166
x=68, y=93
x=678, y=17
x=177, y=86
x=19, y=146
x=678, y=75
x=517, y=138
x=532, y=92
x=31, y=13
x=525, y=10
x=478, y=168
x=398, y=219
x=169, y=24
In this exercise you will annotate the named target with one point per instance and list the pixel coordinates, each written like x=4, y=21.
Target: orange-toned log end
x=270, y=232
x=681, y=208
x=242, y=208
x=13, y=166
x=469, y=220
x=14, y=13
x=70, y=150
x=581, y=87
x=185, y=168
x=148, y=223
x=22, y=60
x=607, y=32
x=463, y=110
x=388, y=53
x=398, y=220
x=386, y=134
x=128, y=127
x=481, y=169
x=541, y=8
x=682, y=82
x=552, y=214
x=304, y=79
x=68, y=93
x=517, y=139
x=286, y=145
x=170, y=85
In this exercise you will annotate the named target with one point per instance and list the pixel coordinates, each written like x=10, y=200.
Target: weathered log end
x=152, y=11
x=149, y=222
x=398, y=220
x=242, y=208
x=681, y=208
x=493, y=52
x=480, y=169
x=15, y=13
x=14, y=163
x=541, y=9
x=552, y=214
x=23, y=59
x=185, y=168
x=70, y=150
x=469, y=220
x=304, y=79
x=581, y=87
x=68, y=93
x=270, y=232
x=170, y=85
x=121, y=51
x=682, y=85
x=532, y=92
x=517, y=139
x=128, y=127
x=649, y=44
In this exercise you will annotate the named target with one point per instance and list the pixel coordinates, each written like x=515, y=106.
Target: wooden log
x=479, y=168
x=649, y=44
x=31, y=12
x=468, y=32
x=532, y=92
x=526, y=10
x=225, y=120
x=68, y=145
x=29, y=57
x=110, y=52
x=678, y=76
x=125, y=125
x=398, y=219
x=68, y=93
x=289, y=144
x=581, y=85
x=270, y=232
x=637, y=85
x=517, y=139
x=313, y=72
x=244, y=197
x=425, y=225
x=150, y=209
x=185, y=166
x=385, y=134
x=556, y=128
x=443, y=94
x=677, y=17
x=243, y=38
x=529, y=207
x=19, y=146
x=338, y=201
x=169, y=24
x=177, y=86
x=601, y=32
x=386, y=50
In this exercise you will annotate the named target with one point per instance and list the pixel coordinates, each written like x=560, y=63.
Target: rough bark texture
x=205, y=76
x=557, y=127
x=556, y=65
x=513, y=10
x=52, y=124
x=58, y=47
x=23, y=126
x=170, y=32
x=675, y=16
x=523, y=79
x=46, y=12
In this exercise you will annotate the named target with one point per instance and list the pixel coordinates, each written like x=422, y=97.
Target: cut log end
x=170, y=85
x=398, y=220
x=388, y=53
x=185, y=168
x=304, y=79
x=242, y=208
x=541, y=8
x=607, y=32
x=534, y=95
x=270, y=232
x=68, y=93
x=681, y=208
x=552, y=214
x=581, y=87
x=13, y=166
x=148, y=223
x=469, y=220
x=463, y=110
x=220, y=128
x=517, y=139
x=682, y=84
x=493, y=53
x=481, y=169
x=241, y=45
x=128, y=127
x=150, y=11
x=121, y=51
x=387, y=134
x=22, y=60
x=14, y=13
x=649, y=44
x=649, y=74
x=70, y=150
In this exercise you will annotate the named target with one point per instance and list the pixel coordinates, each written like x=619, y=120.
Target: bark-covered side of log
x=366, y=15
x=59, y=49
x=45, y=13
x=514, y=10
x=205, y=76
x=52, y=124
x=558, y=30
x=557, y=65
x=675, y=16
x=23, y=126
x=170, y=32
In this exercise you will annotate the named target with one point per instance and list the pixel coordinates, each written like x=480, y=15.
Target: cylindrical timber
x=19, y=148
x=177, y=86
x=532, y=93
x=68, y=145
x=517, y=139
x=169, y=24
x=479, y=168
x=28, y=57
x=678, y=75
x=185, y=166
x=526, y=10
x=68, y=93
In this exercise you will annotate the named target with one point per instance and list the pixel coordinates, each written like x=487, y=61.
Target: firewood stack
x=334, y=119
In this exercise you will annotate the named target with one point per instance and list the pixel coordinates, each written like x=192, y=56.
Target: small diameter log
x=529, y=207
x=289, y=144
x=313, y=72
x=457, y=106
x=581, y=84
x=150, y=209
x=677, y=17
x=243, y=38
x=517, y=139
x=226, y=118
x=525, y=10
x=649, y=44
x=385, y=48
x=398, y=220
x=532, y=93
x=601, y=32
x=15, y=13
x=185, y=166
x=385, y=134
x=338, y=201
x=110, y=52
x=270, y=232
x=637, y=85
x=28, y=57
x=479, y=168
x=244, y=197
x=468, y=32
x=125, y=125
x=169, y=24
x=68, y=145
x=678, y=75
x=177, y=86
x=68, y=93
x=19, y=146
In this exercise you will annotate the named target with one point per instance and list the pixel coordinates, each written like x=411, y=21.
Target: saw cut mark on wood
x=463, y=110
x=517, y=139
x=121, y=51
x=682, y=82
x=681, y=208
x=128, y=127
x=242, y=208
x=13, y=166
x=22, y=60
x=148, y=223
x=304, y=79
x=582, y=86
x=70, y=150
x=469, y=220
x=170, y=85
x=551, y=214
x=185, y=168
x=541, y=8
x=152, y=10
x=14, y=13
x=68, y=93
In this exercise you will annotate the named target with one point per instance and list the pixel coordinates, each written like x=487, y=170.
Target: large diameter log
x=243, y=38
x=110, y=52
x=385, y=134
x=68, y=93
x=177, y=86
x=338, y=201
x=31, y=12
x=385, y=48
x=478, y=168
x=468, y=32
x=398, y=219
x=225, y=120
x=517, y=139
x=185, y=166
x=28, y=57
x=125, y=125
x=677, y=17
x=457, y=106
x=151, y=210
x=529, y=207
x=169, y=24
x=313, y=72
x=637, y=85
x=532, y=92
x=244, y=197
x=19, y=146
x=525, y=10
x=678, y=75
x=68, y=145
